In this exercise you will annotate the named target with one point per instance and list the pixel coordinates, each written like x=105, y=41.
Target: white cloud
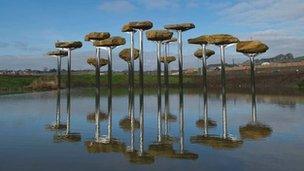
x=117, y=6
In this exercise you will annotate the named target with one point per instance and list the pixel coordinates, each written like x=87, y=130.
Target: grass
x=19, y=84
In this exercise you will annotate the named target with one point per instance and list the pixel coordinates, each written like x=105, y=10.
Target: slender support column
x=204, y=61
x=166, y=67
x=129, y=76
x=132, y=59
x=69, y=68
x=58, y=108
x=158, y=65
x=97, y=69
x=141, y=59
x=59, y=72
x=180, y=58
x=223, y=73
x=253, y=91
x=110, y=69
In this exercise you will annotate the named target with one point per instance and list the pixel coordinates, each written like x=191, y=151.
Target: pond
x=57, y=131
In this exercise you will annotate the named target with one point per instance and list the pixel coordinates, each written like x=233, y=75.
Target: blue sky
x=28, y=28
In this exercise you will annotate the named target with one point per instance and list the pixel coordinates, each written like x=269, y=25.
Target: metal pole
x=204, y=61
x=141, y=59
x=69, y=93
x=97, y=69
x=110, y=68
x=166, y=68
x=158, y=65
x=180, y=58
x=252, y=68
x=69, y=69
x=223, y=74
x=132, y=59
x=59, y=72
x=129, y=75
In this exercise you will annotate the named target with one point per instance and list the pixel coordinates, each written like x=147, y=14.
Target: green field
x=19, y=84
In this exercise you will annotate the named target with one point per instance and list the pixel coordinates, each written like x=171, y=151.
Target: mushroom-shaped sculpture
x=110, y=43
x=68, y=46
x=253, y=130
x=251, y=49
x=180, y=28
x=94, y=62
x=166, y=59
x=58, y=54
x=203, y=54
x=98, y=62
x=222, y=40
x=126, y=55
x=127, y=28
x=185, y=155
x=159, y=36
x=140, y=26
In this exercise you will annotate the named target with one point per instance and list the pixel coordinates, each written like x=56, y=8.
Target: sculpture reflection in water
x=104, y=143
x=58, y=125
x=224, y=141
x=68, y=136
x=133, y=155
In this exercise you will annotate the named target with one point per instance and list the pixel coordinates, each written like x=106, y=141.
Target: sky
x=29, y=28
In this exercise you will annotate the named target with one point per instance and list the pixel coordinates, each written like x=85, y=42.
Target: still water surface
x=166, y=135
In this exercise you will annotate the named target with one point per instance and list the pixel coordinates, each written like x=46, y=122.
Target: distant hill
x=281, y=58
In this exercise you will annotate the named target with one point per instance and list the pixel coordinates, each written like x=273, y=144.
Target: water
x=27, y=143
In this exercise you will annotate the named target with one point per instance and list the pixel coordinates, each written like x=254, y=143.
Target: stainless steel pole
x=141, y=59
x=204, y=61
x=253, y=91
x=132, y=59
x=110, y=68
x=69, y=68
x=59, y=71
x=158, y=65
x=180, y=58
